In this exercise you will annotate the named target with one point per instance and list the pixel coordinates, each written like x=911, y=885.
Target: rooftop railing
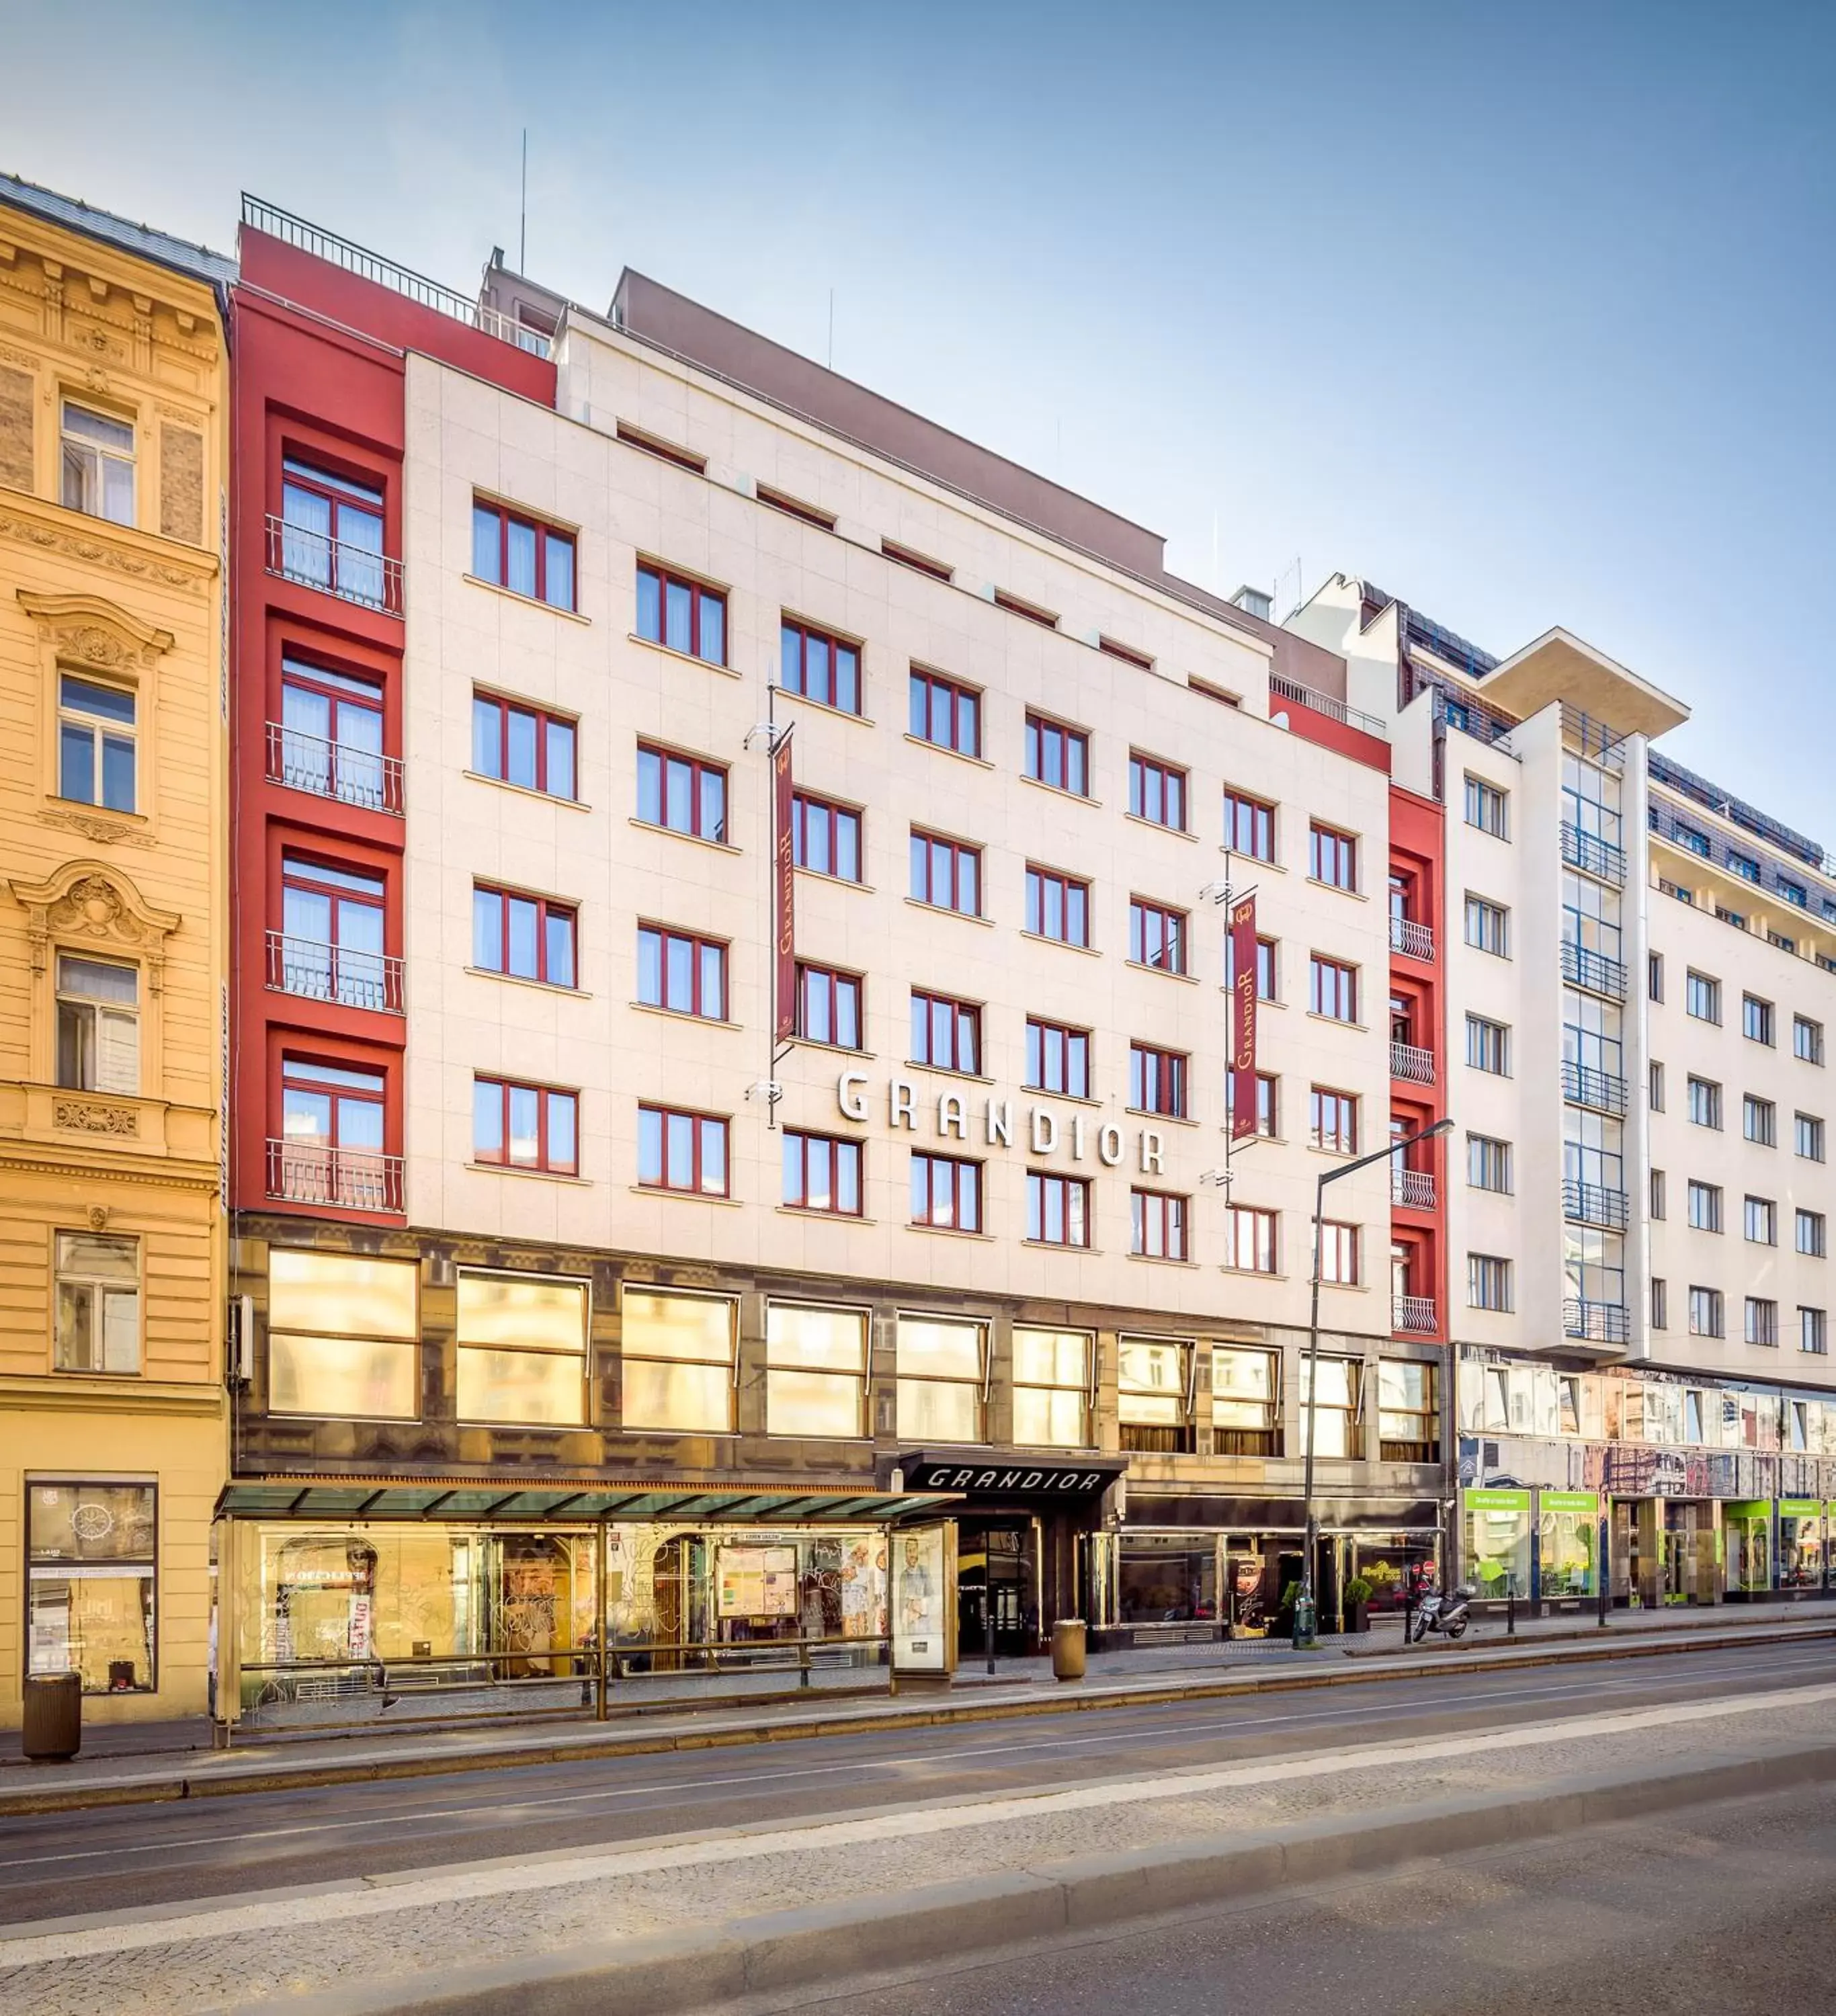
x=1334, y=710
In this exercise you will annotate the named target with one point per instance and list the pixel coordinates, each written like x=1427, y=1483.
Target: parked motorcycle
x=1449, y=1614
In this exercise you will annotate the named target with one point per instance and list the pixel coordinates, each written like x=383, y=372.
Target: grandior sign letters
x=992, y=1123
x=1008, y=1477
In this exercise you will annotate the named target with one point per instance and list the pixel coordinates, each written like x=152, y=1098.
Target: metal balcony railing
x=334, y=973
x=315, y=560
x=1599, y=1091
x=333, y=769
x=1594, y=1203
x=1413, y=1187
x=1592, y=855
x=1593, y=740
x=352, y=1178
x=1410, y=1061
x=1320, y=703
x=1414, y=941
x=1413, y=1315
x=1594, y=971
x=1599, y=1323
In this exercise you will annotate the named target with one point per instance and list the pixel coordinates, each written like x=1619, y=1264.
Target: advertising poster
x=919, y=1640
x=742, y=1582
x=777, y=1582
x=1244, y=1117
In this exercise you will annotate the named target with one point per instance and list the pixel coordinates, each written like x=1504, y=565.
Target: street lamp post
x=1306, y=1620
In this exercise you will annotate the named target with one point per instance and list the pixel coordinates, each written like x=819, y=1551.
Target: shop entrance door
x=997, y=1578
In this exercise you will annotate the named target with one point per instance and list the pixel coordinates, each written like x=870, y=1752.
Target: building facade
x=112, y=1449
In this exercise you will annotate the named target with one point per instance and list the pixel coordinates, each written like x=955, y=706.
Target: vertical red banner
x=1243, y=1019
x=784, y=892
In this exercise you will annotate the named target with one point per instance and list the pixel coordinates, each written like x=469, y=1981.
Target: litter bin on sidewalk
x=1068, y=1641
x=51, y=1726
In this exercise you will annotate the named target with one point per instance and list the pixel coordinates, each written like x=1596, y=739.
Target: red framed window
x=330, y=1148
x=682, y=615
x=1266, y=1113
x=1127, y=653
x=1057, y=1059
x=1157, y=935
x=331, y=942
x=514, y=743
x=945, y=712
x=946, y=1192
x=331, y=535
x=946, y=1034
x=819, y=667
x=1265, y=965
x=1338, y=1254
x=1156, y=1080
x=823, y=1173
x=794, y=507
x=1332, y=857
x=946, y=873
x=1031, y=611
x=681, y=1151
x=516, y=1126
x=526, y=937
x=1158, y=1228
x=1057, y=1209
x=1157, y=790
x=1249, y=1239
x=919, y=563
x=330, y=737
x=1057, y=755
x=826, y=836
x=1058, y=906
x=684, y=794
x=1332, y=1124
x=1249, y=826
x=522, y=554
x=683, y=458
x=686, y=974
x=829, y=1007
x=1333, y=989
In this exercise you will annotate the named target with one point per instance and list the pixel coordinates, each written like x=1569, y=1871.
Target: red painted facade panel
x=1417, y=1004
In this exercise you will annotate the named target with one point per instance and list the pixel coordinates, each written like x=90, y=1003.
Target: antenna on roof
x=522, y=216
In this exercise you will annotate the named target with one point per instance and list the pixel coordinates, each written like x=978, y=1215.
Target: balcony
x=315, y=560
x=1599, y=1091
x=350, y=1178
x=334, y=973
x=1592, y=971
x=1413, y=939
x=1598, y=1322
x=1280, y=688
x=1413, y=1315
x=1591, y=1203
x=1410, y=1061
x=1592, y=855
x=338, y=770
x=1413, y=1187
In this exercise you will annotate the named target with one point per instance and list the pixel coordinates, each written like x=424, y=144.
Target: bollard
x=1408, y=1618
x=1510, y=1612
x=988, y=1626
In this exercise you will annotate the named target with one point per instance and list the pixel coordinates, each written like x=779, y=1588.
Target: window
x=794, y=507
x=946, y=1192
x=819, y=667
x=1488, y=1282
x=1705, y=1207
x=1702, y=997
x=332, y=1132
x=96, y=744
x=1487, y=927
x=681, y=1151
x=677, y=1355
x=1759, y=1120
x=1057, y=1059
x=823, y=1173
x=526, y=937
x=522, y=1348
x=829, y=1007
x=1156, y=1080
x=1409, y=1412
x=1057, y=1209
x=1704, y=1102
x=525, y=1126
x=1157, y=935
x=1058, y=906
x=1487, y=1045
x=1660, y=1304
x=344, y=1332
x=332, y=535
x=683, y=794
x=815, y=1371
x=1743, y=866
x=1333, y=989
x=98, y=1025
x=919, y=563
x=1332, y=857
x=98, y=464
x=330, y=741
x=1333, y=1384
x=945, y=712
x=825, y=837
x=946, y=1033
x=1658, y=1188
x=1697, y=842
x=524, y=745
x=1266, y=1102
x=682, y=974
x=1246, y=1401
x=946, y=873
x=1488, y=1164
x=1338, y=1254
x=98, y=1303
x=1265, y=965
x=1654, y=1086
x=1156, y=791
x=942, y=1379
x=91, y=1553
x=682, y=615
x=1763, y=1320
x=332, y=937
x=1152, y=1401
x=522, y=554
x=1813, y=1234
x=1031, y=610
x=1250, y=1239
x=1057, y=755
x=1157, y=1225
x=1807, y=1039
x=1249, y=826
x=1705, y=1312
x=1808, y=1133
x=1486, y=806
x=1756, y=1019
x=1761, y=1222
x=1332, y=1121
x=683, y=458
x=1654, y=975
x=1813, y=1332
x=1127, y=653
x=1794, y=893
x=1052, y=1388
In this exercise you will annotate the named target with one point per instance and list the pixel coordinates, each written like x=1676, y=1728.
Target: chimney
x=1253, y=601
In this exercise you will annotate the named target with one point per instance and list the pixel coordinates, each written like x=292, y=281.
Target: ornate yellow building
x=113, y=427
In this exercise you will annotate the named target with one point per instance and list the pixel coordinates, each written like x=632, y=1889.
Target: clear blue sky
x=1524, y=313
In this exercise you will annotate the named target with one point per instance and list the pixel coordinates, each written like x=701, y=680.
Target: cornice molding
x=66, y=1393
x=122, y=549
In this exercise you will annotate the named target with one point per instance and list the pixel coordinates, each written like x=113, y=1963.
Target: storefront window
x=1151, y=1400
x=1800, y=1544
x=91, y=1570
x=1167, y=1578
x=942, y=1379
x=522, y=1348
x=815, y=1371
x=1409, y=1417
x=677, y=1353
x=1246, y=1401
x=1496, y=1542
x=1335, y=1411
x=1747, y=1537
x=1052, y=1388
x=671, y=1588
x=1567, y=1535
x=1397, y=1566
x=342, y=1331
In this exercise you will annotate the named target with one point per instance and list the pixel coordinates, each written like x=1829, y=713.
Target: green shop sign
x=1748, y=1508
x=1571, y=1501
x=1800, y=1508
x=1496, y=1501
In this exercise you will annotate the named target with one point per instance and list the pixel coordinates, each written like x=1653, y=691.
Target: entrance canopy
x=562, y=1502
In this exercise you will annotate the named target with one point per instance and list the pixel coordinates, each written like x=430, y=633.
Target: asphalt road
x=1722, y=1909
x=113, y=1858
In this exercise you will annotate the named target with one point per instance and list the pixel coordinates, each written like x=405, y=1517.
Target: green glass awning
x=566, y=1502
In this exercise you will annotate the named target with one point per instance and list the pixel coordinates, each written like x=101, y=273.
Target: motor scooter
x=1449, y=1614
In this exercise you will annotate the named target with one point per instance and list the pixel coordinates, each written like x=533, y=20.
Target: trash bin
x=52, y=1727
x=1067, y=1649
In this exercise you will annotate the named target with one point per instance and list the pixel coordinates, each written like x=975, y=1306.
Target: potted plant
x=1284, y=1621
x=1358, y=1594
